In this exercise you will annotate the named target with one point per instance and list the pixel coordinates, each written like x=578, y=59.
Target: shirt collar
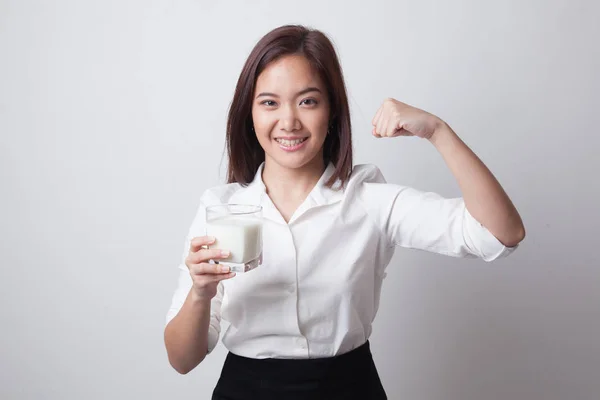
x=323, y=195
x=320, y=194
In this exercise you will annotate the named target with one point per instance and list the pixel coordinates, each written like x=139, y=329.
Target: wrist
x=442, y=134
x=199, y=301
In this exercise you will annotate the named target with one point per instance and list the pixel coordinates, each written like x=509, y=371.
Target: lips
x=290, y=142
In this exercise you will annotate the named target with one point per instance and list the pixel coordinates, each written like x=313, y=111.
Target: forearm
x=186, y=335
x=484, y=197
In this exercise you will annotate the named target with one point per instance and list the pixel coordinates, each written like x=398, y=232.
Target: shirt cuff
x=482, y=242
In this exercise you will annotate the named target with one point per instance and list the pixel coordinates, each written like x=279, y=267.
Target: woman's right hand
x=205, y=276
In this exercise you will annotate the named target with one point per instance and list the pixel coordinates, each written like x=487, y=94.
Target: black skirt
x=349, y=376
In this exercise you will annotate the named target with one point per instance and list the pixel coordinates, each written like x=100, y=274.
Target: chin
x=291, y=162
x=294, y=161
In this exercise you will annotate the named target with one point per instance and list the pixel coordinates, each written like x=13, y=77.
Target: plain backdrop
x=112, y=117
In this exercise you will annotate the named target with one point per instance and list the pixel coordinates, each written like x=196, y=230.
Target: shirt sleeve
x=427, y=221
x=184, y=284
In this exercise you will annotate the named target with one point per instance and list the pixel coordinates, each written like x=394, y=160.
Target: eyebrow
x=300, y=93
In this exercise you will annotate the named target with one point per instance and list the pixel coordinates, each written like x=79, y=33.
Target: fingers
x=395, y=128
x=197, y=242
x=379, y=121
x=204, y=273
x=382, y=121
x=204, y=255
x=209, y=269
x=206, y=281
x=218, y=278
x=382, y=126
x=377, y=116
x=387, y=120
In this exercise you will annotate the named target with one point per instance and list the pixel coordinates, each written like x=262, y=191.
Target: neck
x=292, y=182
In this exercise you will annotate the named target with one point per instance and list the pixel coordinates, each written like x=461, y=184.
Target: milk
x=242, y=236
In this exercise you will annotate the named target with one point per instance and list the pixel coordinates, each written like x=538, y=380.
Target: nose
x=289, y=120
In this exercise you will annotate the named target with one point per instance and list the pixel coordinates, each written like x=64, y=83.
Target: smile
x=291, y=145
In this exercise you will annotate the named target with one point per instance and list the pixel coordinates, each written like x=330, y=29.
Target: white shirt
x=318, y=289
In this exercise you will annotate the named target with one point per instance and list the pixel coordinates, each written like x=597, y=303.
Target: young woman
x=300, y=323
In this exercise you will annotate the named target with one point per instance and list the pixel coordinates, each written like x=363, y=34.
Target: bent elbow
x=183, y=369
x=178, y=366
x=515, y=238
x=522, y=234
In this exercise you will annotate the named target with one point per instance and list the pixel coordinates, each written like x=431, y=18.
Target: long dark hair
x=244, y=152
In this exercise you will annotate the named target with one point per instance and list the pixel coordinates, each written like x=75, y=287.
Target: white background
x=112, y=117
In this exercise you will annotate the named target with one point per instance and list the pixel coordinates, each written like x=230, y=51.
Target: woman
x=300, y=323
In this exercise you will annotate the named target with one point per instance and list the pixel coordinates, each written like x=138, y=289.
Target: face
x=290, y=111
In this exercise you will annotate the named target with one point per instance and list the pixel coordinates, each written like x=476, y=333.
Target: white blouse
x=318, y=289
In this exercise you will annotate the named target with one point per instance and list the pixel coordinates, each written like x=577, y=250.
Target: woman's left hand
x=395, y=118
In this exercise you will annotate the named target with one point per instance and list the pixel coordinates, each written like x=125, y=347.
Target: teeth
x=290, y=143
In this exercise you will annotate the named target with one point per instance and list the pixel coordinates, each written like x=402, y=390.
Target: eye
x=269, y=103
x=309, y=102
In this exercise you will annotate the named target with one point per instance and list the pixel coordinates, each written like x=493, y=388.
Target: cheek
x=262, y=125
x=320, y=124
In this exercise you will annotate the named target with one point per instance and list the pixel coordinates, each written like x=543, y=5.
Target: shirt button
x=292, y=288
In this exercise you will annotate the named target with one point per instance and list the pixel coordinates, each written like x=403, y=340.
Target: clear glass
x=237, y=228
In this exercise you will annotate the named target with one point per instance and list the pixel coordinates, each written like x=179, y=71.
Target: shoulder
x=368, y=184
x=215, y=195
x=368, y=190
x=366, y=173
x=221, y=194
x=366, y=179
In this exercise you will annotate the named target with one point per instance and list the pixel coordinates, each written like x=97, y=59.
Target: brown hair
x=243, y=149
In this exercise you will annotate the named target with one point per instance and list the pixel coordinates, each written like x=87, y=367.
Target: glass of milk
x=237, y=228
